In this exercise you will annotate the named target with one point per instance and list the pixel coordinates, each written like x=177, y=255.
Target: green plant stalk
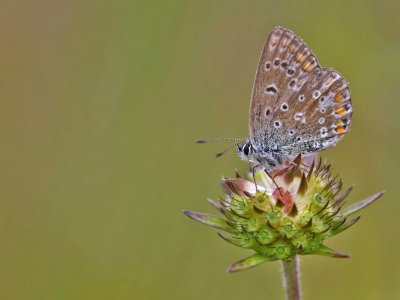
x=291, y=278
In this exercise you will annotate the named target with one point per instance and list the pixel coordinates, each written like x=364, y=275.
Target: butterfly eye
x=246, y=149
x=284, y=106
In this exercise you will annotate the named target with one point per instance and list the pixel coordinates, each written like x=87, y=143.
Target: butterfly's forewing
x=296, y=105
x=278, y=75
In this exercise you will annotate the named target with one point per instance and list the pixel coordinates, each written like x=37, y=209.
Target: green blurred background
x=100, y=104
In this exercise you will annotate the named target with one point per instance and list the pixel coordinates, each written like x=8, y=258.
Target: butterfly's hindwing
x=325, y=114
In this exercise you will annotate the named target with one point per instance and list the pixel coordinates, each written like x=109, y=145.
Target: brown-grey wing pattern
x=322, y=115
x=285, y=65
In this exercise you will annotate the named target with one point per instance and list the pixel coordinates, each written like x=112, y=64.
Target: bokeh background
x=100, y=104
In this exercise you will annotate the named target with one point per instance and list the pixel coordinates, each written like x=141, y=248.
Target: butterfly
x=297, y=107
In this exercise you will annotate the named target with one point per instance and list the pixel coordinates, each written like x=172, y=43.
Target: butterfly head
x=245, y=150
x=259, y=158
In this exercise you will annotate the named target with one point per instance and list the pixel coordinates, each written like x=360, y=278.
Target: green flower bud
x=265, y=236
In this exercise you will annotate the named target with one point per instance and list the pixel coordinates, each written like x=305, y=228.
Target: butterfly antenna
x=227, y=149
x=217, y=140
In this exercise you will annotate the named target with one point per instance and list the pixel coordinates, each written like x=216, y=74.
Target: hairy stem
x=291, y=278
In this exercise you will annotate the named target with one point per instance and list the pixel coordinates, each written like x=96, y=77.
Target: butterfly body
x=297, y=107
x=259, y=156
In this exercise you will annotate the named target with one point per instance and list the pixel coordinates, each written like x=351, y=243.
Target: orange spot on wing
x=341, y=111
x=341, y=129
x=308, y=66
x=300, y=57
x=338, y=98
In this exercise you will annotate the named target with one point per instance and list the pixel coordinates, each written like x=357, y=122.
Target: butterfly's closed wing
x=296, y=106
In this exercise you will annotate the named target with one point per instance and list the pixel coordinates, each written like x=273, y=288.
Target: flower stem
x=291, y=278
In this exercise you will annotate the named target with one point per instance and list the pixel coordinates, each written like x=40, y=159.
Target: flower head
x=287, y=212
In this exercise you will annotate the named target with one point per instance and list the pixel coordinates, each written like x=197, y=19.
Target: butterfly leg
x=253, y=172
x=273, y=180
